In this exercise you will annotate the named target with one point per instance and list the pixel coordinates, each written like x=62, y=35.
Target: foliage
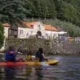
x=72, y=29
x=14, y=11
x=1, y=35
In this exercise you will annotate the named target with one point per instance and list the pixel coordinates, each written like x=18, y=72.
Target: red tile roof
x=47, y=27
x=6, y=25
x=50, y=28
x=29, y=24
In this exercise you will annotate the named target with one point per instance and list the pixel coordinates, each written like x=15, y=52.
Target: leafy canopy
x=1, y=35
x=12, y=11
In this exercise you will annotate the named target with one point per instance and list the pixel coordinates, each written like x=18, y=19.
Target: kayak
x=29, y=63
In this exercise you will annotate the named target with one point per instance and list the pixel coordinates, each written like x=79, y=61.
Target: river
x=68, y=68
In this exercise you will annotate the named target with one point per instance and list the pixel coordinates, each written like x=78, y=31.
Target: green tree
x=44, y=9
x=1, y=35
x=73, y=30
x=29, y=5
x=52, y=9
x=12, y=11
x=69, y=12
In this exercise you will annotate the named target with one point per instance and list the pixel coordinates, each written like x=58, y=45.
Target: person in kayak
x=40, y=55
x=29, y=56
x=10, y=54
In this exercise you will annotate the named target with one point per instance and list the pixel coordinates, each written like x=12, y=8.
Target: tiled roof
x=6, y=25
x=29, y=24
x=47, y=27
x=50, y=28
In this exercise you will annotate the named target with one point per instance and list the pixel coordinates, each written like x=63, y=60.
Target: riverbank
x=51, y=47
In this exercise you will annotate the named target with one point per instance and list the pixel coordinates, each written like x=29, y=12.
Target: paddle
x=21, y=45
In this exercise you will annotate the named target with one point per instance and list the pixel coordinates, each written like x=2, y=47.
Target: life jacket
x=28, y=57
x=40, y=56
x=10, y=56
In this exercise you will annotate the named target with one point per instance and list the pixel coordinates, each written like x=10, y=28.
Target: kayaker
x=10, y=54
x=40, y=55
x=29, y=56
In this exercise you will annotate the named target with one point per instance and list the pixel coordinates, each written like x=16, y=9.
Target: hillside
x=62, y=9
x=13, y=11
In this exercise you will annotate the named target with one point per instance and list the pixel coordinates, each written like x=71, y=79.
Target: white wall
x=24, y=32
x=52, y=34
x=6, y=32
x=29, y=31
x=39, y=27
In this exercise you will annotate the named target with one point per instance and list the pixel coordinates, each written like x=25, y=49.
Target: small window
x=39, y=27
x=31, y=32
x=32, y=26
x=21, y=31
x=27, y=34
x=46, y=34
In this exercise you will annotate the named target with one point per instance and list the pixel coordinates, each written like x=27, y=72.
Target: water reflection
x=39, y=73
x=68, y=68
x=9, y=73
x=28, y=72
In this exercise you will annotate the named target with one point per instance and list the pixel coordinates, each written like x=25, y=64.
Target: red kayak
x=12, y=63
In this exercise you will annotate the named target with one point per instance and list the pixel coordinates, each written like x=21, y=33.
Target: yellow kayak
x=49, y=62
x=30, y=63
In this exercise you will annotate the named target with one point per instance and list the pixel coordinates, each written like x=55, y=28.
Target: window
x=27, y=34
x=39, y=27
x=32, y=26
x=46, y=34
x=21, y=31
x=31, y=32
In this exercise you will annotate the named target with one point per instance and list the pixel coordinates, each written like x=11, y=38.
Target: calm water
x=68, y=68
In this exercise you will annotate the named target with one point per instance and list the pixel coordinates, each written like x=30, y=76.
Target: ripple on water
x=68, y=68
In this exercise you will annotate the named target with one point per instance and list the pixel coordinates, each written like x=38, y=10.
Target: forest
x=13, y=11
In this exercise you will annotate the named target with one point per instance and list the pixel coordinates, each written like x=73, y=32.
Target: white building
x=6, y=29
x=51, y=31
x=33, y=28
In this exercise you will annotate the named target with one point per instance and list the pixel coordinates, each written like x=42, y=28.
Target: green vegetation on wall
x=31, y=44
x=1, y=35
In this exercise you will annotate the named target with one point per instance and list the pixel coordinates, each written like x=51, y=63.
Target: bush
x=1, y=35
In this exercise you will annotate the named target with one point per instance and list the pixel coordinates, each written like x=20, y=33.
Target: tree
x=1, y=35
x=12, y=11
x=52, y=9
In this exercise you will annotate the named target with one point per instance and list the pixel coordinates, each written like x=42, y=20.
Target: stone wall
x=29, y=44
x=49, y=46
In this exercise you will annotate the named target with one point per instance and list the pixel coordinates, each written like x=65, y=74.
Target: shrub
x=1, y=35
